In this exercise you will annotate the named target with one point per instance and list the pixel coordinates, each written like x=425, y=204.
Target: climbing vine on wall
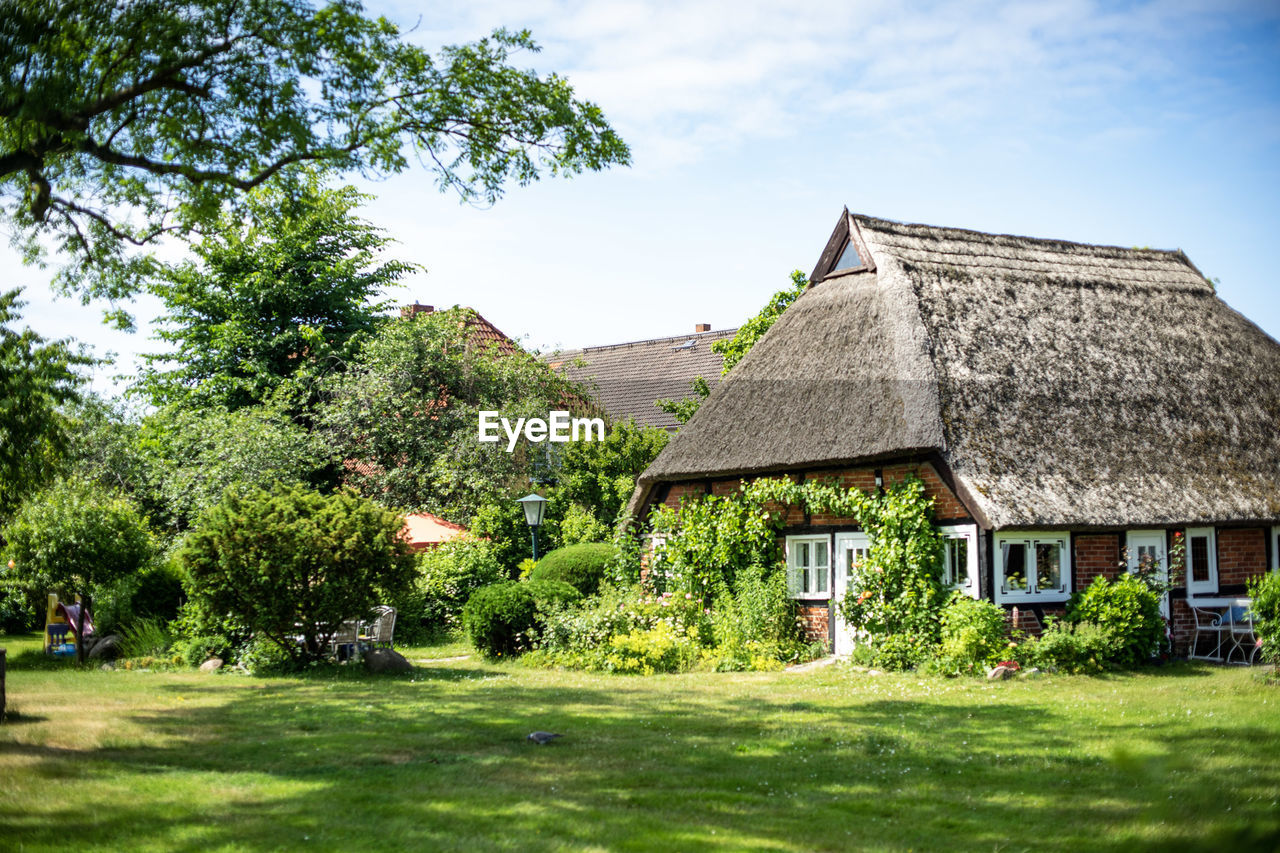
x=895, y=598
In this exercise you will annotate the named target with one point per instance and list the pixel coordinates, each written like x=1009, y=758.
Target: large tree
x=273, y=293
x=121, y=122
x=37, y=378
x=405, y=414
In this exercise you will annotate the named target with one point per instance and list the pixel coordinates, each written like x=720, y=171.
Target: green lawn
x=1185, y=757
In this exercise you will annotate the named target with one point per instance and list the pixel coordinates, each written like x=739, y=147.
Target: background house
x=628, y=378
x=1068, y=406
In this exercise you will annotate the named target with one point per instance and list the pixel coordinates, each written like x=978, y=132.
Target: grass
x=1183, y=757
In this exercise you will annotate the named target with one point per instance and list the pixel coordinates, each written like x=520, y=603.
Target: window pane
x=808, y=581
x=820, y=579
x=1015, y=566
x=802, y=554
x=1199, y=559
x=1048, y=565
x=820, y=554
x=848, y=258
x=960, y=554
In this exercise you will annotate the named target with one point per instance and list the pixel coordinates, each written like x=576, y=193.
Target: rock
x=211, y=665
x=1031, y=672
x=386, y=660
x=105, y=648
x=107, y=667
x=874, y=672
x=999, y=673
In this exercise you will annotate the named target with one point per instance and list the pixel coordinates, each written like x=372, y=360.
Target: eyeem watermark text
x=557, y=427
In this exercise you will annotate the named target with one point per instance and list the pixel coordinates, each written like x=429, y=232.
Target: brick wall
x=814, y=618
x=1097, y=555
x=1242, y=554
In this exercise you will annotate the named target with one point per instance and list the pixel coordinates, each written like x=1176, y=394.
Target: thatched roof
x=628, y=378
x=1062, y=384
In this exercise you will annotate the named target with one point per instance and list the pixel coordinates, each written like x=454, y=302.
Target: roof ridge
x=915, y=229
x=602, y=347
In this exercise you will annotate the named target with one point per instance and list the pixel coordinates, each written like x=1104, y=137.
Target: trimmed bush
x=581, y=566
x=1130, y=613
x=500, y=619
x=973, y=636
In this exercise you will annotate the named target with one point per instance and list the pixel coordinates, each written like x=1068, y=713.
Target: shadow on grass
x=438, y=760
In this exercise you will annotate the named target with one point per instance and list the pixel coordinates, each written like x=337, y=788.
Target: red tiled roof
x=424, y=530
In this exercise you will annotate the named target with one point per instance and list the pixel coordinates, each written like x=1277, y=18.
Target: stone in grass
x=999, y=673
x=105, y=648
x=211, y=665
x=386, y=660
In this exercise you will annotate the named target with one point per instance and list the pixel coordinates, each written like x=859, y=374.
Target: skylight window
x=849, y=258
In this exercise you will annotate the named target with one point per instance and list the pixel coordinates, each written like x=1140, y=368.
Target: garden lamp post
x=535, y=507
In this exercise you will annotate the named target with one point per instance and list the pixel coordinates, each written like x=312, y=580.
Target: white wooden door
x=1147, y=546
x=851, y=550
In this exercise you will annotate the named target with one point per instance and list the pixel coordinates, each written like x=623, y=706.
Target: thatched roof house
x=1049, y=385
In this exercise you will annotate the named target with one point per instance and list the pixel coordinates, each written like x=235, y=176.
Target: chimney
x=702, y=327
x=410, y=311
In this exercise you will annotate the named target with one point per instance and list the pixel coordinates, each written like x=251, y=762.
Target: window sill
x=812, y=597
x=1054, y=597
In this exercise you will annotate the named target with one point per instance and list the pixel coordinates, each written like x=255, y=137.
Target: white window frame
x=1210, y=585
x=795, y=585
x=1031, y=538
x=953, y=534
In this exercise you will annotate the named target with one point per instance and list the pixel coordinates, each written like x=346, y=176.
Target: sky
x=752, y=124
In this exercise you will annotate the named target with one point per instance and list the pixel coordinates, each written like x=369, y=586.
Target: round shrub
x=973, y=636
x=1130, y=613
x=499, y=619
x=581, y=566
x=1079, y=647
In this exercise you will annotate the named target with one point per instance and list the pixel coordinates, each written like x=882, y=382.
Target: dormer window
x=845, y=252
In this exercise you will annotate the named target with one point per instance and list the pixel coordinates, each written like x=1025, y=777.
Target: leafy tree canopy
x=276, y=294
x=123, y=122
x=37, y=377
x=406, y=414
x=192, y=457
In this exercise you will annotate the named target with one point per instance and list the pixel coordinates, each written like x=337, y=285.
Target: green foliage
x=753, y=627
x=408, y=405
x=624, y=629
x=121, y=123
x=37, y=378
x=1071, y=647
x=754, y=329
x=145, y=638
x=1265, y=592
x=684, y=409
x=75, y=538
x=193, y=457
x=707, y=540
x=581, y=566
x=277, y=292
x=196, y=650
x=897, y=594
x=447, y=576
x=291, y=562
x=157, y=593
x=1130, y=613
x=662, y=648
x=599, y=476
x=501, y=619
x=974, y=636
